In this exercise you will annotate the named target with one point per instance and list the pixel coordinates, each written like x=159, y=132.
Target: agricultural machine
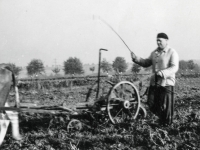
x=105, y=100
x=117, y=102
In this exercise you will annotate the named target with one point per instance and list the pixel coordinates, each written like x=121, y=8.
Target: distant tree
x=135, y=68
x=191, y=64
x=35, y=67
x=56, y=70
x=73, y=66
x=119, y=64
x=92, y=68
x=106, y=66
x=14, y=68
x=183, y=65
x=196, y=68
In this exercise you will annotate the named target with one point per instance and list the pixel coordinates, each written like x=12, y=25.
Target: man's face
x=162, y=43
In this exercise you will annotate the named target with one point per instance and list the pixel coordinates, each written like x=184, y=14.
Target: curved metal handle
x=102, y=49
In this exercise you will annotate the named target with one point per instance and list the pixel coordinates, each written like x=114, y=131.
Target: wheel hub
x=126, y=104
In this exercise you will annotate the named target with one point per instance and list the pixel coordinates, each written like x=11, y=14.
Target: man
x=165, y=63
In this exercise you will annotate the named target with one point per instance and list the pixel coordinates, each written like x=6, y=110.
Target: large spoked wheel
x=123, y=102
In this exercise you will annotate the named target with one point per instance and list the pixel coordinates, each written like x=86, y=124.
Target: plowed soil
x=49, y=131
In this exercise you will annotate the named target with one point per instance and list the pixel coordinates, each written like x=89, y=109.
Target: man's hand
x=133, y=56
x=159, y=73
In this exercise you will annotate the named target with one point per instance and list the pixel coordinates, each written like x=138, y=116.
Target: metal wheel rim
x=120, y=111
x=74, y=125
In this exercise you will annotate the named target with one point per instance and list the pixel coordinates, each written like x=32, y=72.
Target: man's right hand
x=133, y=56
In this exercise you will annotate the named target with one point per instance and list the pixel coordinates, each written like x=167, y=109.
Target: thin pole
x=99, y=69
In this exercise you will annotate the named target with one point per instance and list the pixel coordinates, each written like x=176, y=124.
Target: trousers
x=161, y=103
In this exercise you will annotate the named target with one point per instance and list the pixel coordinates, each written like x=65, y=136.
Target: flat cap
x=162, y=35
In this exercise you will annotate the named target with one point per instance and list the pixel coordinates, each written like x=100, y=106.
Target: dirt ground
x=49, y=131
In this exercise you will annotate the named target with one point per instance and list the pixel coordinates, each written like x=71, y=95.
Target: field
x=49, y=132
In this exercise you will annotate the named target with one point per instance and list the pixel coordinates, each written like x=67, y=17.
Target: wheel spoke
x=132, y=99
x=122, y=91
x=117, y=99
x=116, y=118
x=116, y=93
x=118, y=113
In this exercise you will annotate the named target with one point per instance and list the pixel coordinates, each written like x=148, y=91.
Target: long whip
x=115, y=32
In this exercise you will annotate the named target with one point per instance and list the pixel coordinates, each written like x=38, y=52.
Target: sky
x=54, y=30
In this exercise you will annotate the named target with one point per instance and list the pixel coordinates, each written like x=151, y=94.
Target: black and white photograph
x=99, y=75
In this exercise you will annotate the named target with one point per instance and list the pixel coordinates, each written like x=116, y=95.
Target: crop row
x=27, y=85
x=68, y=83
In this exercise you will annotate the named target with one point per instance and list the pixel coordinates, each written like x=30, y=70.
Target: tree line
x=73, y=66
x=188, y=66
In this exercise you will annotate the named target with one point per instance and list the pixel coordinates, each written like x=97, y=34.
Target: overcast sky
x=59, y=29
